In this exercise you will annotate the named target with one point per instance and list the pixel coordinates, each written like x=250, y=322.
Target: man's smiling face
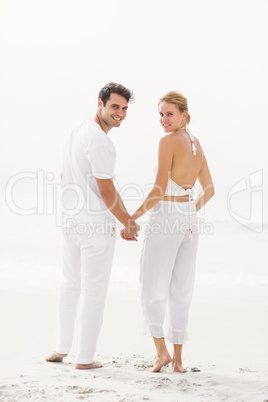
x=115, y=110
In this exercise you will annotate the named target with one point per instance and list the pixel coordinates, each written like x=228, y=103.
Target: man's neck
x=101, y=123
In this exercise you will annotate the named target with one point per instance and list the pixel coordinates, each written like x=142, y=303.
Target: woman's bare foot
x=92, y=365
x=177, y=367
x=161, y=361
x=55, y=357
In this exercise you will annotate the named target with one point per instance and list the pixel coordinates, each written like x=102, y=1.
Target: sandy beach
x=228, y=326
x=228, y=344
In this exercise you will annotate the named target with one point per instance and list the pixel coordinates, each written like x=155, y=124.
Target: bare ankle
x=163, y=353
x=177, y=366
x=176, y=361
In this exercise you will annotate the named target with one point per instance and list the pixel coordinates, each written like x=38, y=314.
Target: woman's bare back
x=186, y=166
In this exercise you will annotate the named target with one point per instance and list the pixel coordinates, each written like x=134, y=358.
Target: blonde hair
x=178, y=100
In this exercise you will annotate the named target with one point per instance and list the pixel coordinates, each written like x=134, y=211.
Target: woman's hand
x=127, y=238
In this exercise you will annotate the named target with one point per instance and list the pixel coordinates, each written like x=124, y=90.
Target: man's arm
x=114, y=202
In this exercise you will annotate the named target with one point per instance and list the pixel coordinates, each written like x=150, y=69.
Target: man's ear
x=100, y=103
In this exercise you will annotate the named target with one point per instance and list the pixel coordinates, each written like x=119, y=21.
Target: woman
x=170, y=244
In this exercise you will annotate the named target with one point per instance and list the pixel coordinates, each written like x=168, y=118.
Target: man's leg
x=96, y=264
x=68, y=298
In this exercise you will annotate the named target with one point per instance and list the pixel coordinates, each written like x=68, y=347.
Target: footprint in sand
x=165, y=379
x=184, y=385
x=86, y=391
x=143, y=365
x=163, y=382
x=246, y=370
x=73, y=387
x=213, y=383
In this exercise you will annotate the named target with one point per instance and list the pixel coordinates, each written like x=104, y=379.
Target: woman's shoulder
x=169, y=139
x=175, y=138
x=167, y=143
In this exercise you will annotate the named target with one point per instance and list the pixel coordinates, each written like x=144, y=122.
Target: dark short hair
x=113, y=88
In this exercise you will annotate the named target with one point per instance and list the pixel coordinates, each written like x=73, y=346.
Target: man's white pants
x=168, y=268
x=87, y=262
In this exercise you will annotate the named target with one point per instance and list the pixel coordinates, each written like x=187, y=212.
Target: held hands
x=124, y=236
x=130, y=232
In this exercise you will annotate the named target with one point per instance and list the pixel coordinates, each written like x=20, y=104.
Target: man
x=90, y=205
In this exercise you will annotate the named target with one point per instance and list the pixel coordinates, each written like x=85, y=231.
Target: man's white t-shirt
x=89, y=154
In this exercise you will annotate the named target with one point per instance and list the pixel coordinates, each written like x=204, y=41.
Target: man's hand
x=130, y=232
x=122, y=234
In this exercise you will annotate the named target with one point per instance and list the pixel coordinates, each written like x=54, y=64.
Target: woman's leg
x=163, y=357
x=157, y=260
x=177, y=360
x=181, y=291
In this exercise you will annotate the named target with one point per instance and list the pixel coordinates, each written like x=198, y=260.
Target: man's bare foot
x=92, y=365
x=55, y=357
x=177, y=367
x=161, y=361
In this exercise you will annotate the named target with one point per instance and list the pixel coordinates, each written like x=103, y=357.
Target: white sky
x=56, y=55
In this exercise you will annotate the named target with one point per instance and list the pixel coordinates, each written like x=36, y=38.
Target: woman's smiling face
x=170, y=117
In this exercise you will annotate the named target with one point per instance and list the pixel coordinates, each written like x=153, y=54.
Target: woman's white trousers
x=168, y=268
